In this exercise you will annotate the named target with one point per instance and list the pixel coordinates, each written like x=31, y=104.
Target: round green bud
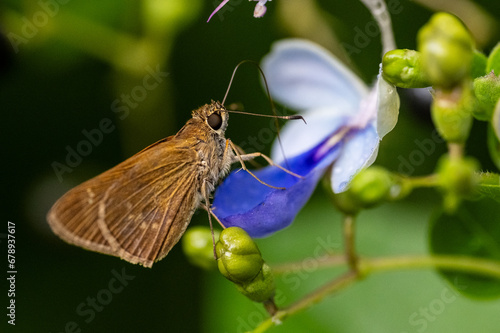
x=345, y=203
x=368, y=188
x=261, y=288
x=238, y=257
x=403, y=68
x=451, y=113
x=487, y=92
x=371, y=186
x=457, y=179
x=239, y=268
x=447, y=50
x=198, y=246
x=237, y=241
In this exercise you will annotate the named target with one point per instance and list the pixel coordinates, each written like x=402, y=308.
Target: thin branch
x=365, y=266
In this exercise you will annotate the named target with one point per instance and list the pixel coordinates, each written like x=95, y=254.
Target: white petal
x=359, y=151
x=297, y=137
x=303, y=75
x=388, y=106
x=260, y=8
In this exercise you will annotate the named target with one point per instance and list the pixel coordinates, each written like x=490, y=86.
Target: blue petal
x=297, y=137
x=378, y=116
x=260, y=210
x=358, y=151
x=303, y=75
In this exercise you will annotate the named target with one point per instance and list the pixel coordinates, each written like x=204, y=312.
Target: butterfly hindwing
x=137, y=210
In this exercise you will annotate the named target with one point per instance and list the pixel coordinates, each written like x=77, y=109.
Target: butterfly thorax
x=207, y=128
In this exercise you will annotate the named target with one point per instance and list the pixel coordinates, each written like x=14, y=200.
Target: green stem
x=424, y=181
x=456, y=263
x=327, y=261
x=366, y=266
x=455, y=150
x=349, y=242
x=337, y=284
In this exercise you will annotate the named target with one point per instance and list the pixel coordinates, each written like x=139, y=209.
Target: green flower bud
x=368, y=188
x=487, y=91
x=493, y=63
x=198, y=246
x=447, y=50
x=457, y=179
x=451, y=113
x=237, y=241
x=238, y=257
x=345, y=203
x=261, y=288
x=371, y=186
x=240, y=261
x=403, y=68
x=458, y=175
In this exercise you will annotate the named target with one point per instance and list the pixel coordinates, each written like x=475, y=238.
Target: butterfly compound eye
x=215, y=121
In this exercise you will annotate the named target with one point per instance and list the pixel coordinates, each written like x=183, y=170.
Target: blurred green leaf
x=472, y=230
x=490, y=186
x=494, y=147
x=494, y=60
x=478, y=64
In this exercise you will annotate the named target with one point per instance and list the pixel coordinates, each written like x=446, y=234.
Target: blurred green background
x=67, y=65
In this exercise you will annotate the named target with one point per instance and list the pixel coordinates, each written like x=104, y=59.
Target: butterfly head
x=214, y=115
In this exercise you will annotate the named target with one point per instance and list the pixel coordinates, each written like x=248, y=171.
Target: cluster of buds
x=465, y=85
x=238, y=259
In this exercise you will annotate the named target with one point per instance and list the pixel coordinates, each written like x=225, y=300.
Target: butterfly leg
x=211, y=212
x=270, y=162
x=207, y=206
x=246, y=157
x=242, y=152
x=241, y=158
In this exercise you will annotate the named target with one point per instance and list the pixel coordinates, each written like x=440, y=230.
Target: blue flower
x=345, y=123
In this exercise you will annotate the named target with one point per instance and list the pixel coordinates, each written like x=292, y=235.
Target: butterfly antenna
x=271, y=103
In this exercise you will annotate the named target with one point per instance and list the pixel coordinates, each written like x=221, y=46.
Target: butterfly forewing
x=137, y=210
